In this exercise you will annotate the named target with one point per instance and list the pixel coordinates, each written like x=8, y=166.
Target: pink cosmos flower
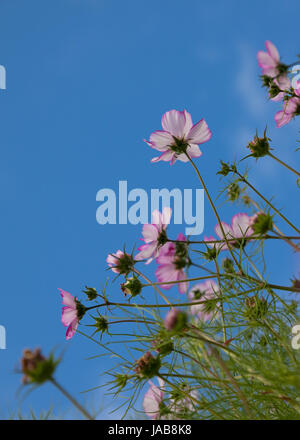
x=153, y=399
x=240, y=228
x=202, y=292
x=120, y=262
x=155, y=235
x=69, y=316
x=291, y=108
x=178, y=136
x=269, y=61
x=113, y=260
x=171, y=266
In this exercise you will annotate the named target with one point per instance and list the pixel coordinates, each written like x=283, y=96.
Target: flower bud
x=225, y=169
x=100, y=324
x=233, y=191
x=90, y=292
x=35, y=367
x=162, y=346
x=147, y=366
x=175, y=321
x=211, y=253
x=259, y=147
x=261, y=223
x=228, y=266
x=255, y=308
x=132, y=287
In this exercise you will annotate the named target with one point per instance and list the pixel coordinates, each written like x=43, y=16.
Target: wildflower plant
x=220, y=349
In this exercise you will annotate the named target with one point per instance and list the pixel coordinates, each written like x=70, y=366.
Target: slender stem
x=72, y=399
x=182, y=353
x=233, y=381
x=260, y=284
x=181, y=281
x=262, y=279
x=283, y=344
x=151, y=306
x=213, y=373
x=233, y=275
x=154, y=285
x=243, y=179
x=285, y=164
x=133, y=320
x=188, y=395
x=222, y=308
x=229, y=240
x=215, y=212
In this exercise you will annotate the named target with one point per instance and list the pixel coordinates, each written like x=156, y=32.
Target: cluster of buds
x=175, y=321
x=147, y=366
x=132, y=286
x=35, y=367
x=255, y=308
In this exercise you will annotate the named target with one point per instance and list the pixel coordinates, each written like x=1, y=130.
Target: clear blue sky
x=87, y=81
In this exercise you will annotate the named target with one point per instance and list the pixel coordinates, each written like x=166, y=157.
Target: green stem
x=189, y=396
x=243, y=179
x=72, y=399
x=229, y=240
x=233, y=381
x=284, y=164
x=154, y=285
x=222, y=308
x=215, y=212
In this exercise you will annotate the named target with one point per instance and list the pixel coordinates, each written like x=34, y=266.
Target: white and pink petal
x=174, y=122
x=199, y=133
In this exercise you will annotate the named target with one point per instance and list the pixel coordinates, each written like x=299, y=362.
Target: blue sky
x=87, y=81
